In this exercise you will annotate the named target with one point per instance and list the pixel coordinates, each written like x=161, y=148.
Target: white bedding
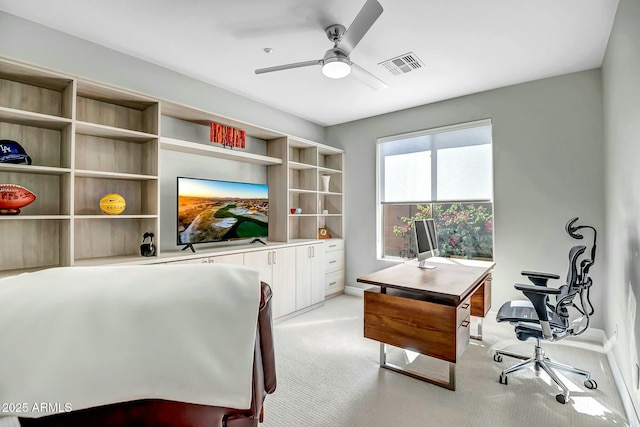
x=76, y=337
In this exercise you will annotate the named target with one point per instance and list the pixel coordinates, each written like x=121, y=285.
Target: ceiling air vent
x=402, y=64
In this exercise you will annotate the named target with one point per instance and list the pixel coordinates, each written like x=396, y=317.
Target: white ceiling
x=467, y=46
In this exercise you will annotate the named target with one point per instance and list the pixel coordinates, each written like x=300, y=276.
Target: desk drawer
x=463, y=311
x=462, y=336
x=333, y=261
x=426, y=327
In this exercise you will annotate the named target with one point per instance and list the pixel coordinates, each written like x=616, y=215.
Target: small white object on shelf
x=325, y=182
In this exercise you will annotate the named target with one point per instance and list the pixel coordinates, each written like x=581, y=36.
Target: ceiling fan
x=336, y=63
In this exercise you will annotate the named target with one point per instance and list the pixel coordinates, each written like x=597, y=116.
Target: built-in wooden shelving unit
x=87, y=139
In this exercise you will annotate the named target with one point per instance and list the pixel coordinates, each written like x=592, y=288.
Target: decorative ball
x=13, y=197
x=112, y=204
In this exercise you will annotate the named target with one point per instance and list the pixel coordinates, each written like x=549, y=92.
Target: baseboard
x=355, y=291
x=625, y=396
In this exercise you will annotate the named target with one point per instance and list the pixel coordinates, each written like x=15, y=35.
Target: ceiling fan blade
x=288, y=66
x=369, y=13
x=367, y=78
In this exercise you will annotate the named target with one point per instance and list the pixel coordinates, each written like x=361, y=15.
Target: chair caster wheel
x=590, y=384
x=561, y=399
x=503, y=379
x=497, y=357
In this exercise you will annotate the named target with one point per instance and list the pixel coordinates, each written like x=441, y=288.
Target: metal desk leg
x=450, y=384
x=479, y=336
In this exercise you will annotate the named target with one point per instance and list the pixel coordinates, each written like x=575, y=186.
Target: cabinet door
x=317, y=273
x=228, y=259
x=284, y=281
x=261, y=261
x=303, y=276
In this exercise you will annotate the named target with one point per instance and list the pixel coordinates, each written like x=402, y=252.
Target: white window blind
x=437, y=165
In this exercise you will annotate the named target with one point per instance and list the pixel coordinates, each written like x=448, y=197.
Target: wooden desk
x=427, y=311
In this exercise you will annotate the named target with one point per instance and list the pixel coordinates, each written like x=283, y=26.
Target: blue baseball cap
x=12, y=152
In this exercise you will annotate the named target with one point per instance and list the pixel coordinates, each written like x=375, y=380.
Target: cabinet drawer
x=333, y=261
x=334, y=282
x=334, y=245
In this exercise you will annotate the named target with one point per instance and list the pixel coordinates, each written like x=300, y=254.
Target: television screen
x=212, y=211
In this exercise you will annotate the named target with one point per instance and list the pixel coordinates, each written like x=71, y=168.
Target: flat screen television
x=213, y=211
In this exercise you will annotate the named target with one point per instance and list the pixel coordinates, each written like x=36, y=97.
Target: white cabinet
x=228, y=259
x=219, y=259
x=277, y=269
x=203, y=260
x=334, y=266
x=309, y=275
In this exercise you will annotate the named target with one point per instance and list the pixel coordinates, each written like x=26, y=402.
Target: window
x=445, y=174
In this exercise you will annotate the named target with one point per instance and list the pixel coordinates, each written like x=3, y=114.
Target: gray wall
x=548, y=167
x=621, y=93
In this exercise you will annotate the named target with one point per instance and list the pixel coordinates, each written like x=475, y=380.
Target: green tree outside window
x=464, y=229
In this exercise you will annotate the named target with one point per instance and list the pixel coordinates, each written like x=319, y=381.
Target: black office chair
x=539, y=319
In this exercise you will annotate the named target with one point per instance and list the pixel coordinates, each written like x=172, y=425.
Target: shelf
x=34, y=217
x=39, y=170
x=204, y=118
x=33, y=77
x=330, y=214
x=112, y=95
x=28, y=118
x=114, y=175
x=330, y=193
x=218, y=152
x=298, y=215
x=105, y=216
x=300, y=166
x=103, y=131
x=328, y=170
x=301, y=143
x=329, y=151
x=110, y=260
x=298, y=190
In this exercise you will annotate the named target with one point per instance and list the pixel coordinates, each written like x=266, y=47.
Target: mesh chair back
x=572, y=286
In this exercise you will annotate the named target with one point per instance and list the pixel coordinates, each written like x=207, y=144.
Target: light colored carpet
x=328, y=375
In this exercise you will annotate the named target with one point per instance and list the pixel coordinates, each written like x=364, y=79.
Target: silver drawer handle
x=331, y=262
x=465, y=323
x=332, y=283
x=465, y=305
x=332, y=246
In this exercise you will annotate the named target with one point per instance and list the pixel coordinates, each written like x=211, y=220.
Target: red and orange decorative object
x=13, y=197
x=227, y=136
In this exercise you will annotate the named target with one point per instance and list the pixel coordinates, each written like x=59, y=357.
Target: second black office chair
x=538, y=318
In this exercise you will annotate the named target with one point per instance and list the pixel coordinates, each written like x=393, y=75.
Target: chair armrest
x=537, y=289
x=538, y=296
x=539, y=279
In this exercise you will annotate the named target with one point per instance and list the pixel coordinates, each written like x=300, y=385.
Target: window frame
x=442, y=129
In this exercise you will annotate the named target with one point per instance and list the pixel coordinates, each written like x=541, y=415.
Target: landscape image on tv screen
x=211, y=211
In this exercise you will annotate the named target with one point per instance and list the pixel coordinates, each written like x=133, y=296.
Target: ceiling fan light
x=336, y=69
